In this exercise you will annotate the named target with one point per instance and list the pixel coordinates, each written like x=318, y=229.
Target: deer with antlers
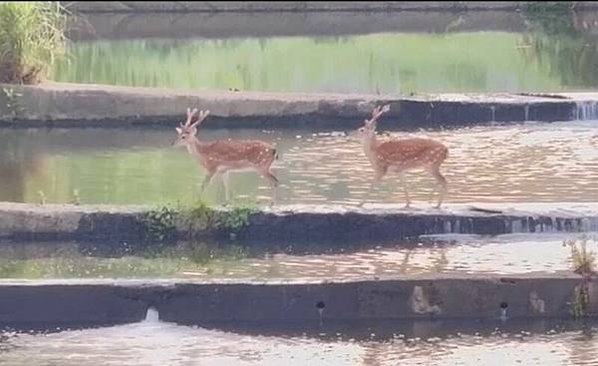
x=224, y=156
x=400, y=156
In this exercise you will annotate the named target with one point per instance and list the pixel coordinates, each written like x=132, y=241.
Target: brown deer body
x=224, y=156
x=400, y=156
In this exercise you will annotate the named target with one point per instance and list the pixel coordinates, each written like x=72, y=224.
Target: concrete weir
x=438, y=296
x=293, y=223
x=80, y=105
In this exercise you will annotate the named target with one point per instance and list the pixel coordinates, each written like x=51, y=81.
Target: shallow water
x=423, y=343
x=504, y=254
x=531, y=162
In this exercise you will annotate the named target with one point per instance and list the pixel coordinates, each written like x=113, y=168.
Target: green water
x=384, y=63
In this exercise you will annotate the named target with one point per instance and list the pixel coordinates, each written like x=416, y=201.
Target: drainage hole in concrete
x=320, y=305
x=504, y=305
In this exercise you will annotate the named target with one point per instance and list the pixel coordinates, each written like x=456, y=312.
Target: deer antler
x=193, y=119
x=378, y=111
x=201, y=118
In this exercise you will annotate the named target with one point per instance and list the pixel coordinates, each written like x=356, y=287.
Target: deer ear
x=179, y=130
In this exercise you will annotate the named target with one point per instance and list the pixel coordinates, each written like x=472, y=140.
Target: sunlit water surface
x=158, y=343
x=531, y=162
x=504, y=254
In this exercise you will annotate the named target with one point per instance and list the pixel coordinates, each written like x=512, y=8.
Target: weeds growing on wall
x=196, y=219
x=32, y=38
x=583, y=263
x=11, y=100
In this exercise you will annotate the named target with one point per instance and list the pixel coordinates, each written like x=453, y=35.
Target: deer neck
x=196, y=148
x=369, y=147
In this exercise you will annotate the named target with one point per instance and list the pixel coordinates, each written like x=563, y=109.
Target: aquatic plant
x=584, y=264
x=583, y=260
x=32, y=38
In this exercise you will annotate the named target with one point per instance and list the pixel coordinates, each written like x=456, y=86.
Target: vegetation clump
x=583, y=260
x=32, y=39
x=584, y=264
x=196, y=220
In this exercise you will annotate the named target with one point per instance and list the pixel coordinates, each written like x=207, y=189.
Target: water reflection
x=556, y=51
x=518, y=163
x=505, y=254
x=562, y=42
x=378, y=63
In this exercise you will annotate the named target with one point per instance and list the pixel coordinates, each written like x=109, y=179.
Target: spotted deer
x=223, y=156
x=401, y=155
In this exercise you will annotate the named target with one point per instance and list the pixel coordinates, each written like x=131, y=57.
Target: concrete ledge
x=62, y=104
x=417, y=297
x=296, y=6
x=293, y=223
x=286, y=6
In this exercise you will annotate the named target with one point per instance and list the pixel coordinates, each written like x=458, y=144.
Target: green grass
x=32, y=39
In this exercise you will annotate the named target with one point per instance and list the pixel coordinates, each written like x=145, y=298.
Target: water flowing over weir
x=586, y=110
x=513, y=225
x=339, y=224
x=152, y=315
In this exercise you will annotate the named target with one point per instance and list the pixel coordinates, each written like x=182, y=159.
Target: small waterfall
x=152, y=315
x=493, y=110
x=541, y=224
x=585, y=111
x=526, y=112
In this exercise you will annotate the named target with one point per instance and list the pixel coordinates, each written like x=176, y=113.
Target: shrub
x=32, y=38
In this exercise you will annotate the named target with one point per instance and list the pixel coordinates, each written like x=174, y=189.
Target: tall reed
x=32, y=38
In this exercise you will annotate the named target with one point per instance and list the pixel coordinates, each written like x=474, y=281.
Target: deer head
x=369, y=127
x=186, y=132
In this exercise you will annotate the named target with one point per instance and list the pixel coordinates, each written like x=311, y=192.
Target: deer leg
x=273, y=181
x=206, y=181
x=405, y=189
x=377, y=178
x=225, y=182
x=441, y=182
